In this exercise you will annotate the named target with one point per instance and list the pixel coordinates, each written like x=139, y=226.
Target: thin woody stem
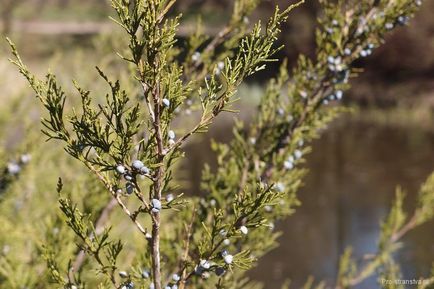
x=165, y=11
x=132, y=216
x=405, y=229
x=157, y=188
x=145, y=88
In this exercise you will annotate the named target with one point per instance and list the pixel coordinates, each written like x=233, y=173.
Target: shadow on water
x=354, y=169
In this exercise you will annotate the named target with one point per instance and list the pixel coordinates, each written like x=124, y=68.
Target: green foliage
x=127, y=142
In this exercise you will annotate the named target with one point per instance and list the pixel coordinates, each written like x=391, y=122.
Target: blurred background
x=355, y=166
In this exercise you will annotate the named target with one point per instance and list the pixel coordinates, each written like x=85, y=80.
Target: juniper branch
x=99, y=226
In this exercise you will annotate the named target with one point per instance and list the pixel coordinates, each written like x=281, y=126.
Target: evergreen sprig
x=130, y=145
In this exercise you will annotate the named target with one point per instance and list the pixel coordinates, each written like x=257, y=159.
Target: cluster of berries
x=171, y=136
x=137, y=167
x=338, y=67
x=204, y=267
x=291, y=160
x=337, y=95
x=128, y=284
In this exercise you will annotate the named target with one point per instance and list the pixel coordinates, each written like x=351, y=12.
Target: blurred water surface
x=354, y=169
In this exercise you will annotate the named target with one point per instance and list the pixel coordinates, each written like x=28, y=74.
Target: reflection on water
x=354, y=170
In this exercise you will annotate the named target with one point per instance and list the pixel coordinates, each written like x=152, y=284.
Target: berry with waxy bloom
x=170, y=198
x=156, y=205
x=205, y=264
x=25, y=158
x=198, y=270
x=228, y=259
x=123, y=274
x=145, y=274
x=329, y=30
x=137, y=164
x=219, y=271
x=144, y=170
x=288, y=165
x=166, y=102
x=121, y=169
x=219, y=68
x=13, y=168
x=280, y=187
x=244, y=230
x=128, y=285
x=129, y=187
x=402, y=20
x=176, y=277
x=298, y=154
x=364, y=53
x=196, y=56
x=221, y=65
